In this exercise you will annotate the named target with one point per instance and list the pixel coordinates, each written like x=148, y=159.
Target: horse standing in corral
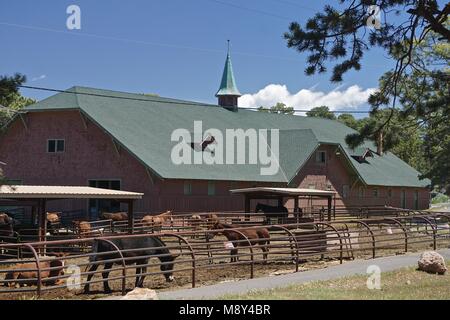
x=156, y=222
x=117, y=216
x=195, y=221
x=26, y=273
x=53, y=222
x=6, y=225
x=136, y=251
x=211, y=219
x=82, y=228
x=256, y=236
x=278, y=212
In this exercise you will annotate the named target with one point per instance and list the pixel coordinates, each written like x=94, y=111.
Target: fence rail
x=55, y=265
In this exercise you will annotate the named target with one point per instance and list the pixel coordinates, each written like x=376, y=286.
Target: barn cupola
x=228, y=93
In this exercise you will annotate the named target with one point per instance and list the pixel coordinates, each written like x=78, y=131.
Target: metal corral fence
x=195, y=256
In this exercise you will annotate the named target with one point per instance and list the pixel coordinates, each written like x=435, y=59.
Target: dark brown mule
x=118, y=216
x=256, y=236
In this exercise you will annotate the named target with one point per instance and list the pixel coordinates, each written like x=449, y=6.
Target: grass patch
x=407, y=283
x=440, y=198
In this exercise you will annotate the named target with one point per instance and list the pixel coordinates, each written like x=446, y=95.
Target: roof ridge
x=141, y=96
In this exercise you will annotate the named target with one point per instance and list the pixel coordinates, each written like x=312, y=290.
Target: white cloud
x=41, y=77
x=306, y=99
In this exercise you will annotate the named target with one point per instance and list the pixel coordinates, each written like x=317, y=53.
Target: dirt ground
x=221, y=270
x=205, y=275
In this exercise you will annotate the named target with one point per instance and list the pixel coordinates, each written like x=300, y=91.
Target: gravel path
x=333, y=272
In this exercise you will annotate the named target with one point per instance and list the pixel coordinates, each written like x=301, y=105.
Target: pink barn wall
x=91, y=154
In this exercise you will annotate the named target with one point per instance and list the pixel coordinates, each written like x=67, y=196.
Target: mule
x=155, y=222
x=26, y=274
x=278, y=212
x=136, y=251
x=53, y=222
x=6, y=225
x=195, y=221
x=117, y=216
x=256, y=236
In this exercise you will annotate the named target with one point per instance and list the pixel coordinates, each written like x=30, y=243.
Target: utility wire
x=252, y=10
x=174, y=101
x=293, y=4
x=158, y=44
x=167, y=45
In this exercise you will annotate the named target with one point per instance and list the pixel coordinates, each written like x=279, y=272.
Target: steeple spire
x=228, y=93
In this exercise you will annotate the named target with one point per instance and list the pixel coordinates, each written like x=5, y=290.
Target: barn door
x=403, y=199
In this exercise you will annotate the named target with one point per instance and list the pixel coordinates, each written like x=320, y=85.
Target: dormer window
x=361, y=155
x=55, y=145
x=321, y=157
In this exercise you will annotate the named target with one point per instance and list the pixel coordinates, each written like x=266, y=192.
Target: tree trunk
x=380, y=143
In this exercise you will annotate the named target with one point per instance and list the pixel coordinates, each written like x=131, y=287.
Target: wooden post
x=280, y=204
x=33, y=215
x=334, y=207
x=296, y=209
x=247, y=207
x=130, y=217
x=42, y=223
x=280, y=201
x=329, y=207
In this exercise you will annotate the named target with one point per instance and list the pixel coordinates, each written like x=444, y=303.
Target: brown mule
x=156, y=222
x=256, y=236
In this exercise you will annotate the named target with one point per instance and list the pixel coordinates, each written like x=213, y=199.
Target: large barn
x=118, y=140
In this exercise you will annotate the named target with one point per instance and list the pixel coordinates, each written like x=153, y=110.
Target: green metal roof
x=228, y=84
x=143, y=125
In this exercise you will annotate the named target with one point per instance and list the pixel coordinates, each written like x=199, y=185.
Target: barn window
x=211, y=188
x=416, y=200
x=361, y=192
x=321, y=156
x=55, y=145
x=403, y=199
x=375, y=192
x=187, y=188
x=345, y=190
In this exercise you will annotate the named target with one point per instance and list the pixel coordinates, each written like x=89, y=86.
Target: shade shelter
x=284, y=193
x=37, y=197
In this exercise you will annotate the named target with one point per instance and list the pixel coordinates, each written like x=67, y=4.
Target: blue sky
x=174, y=48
